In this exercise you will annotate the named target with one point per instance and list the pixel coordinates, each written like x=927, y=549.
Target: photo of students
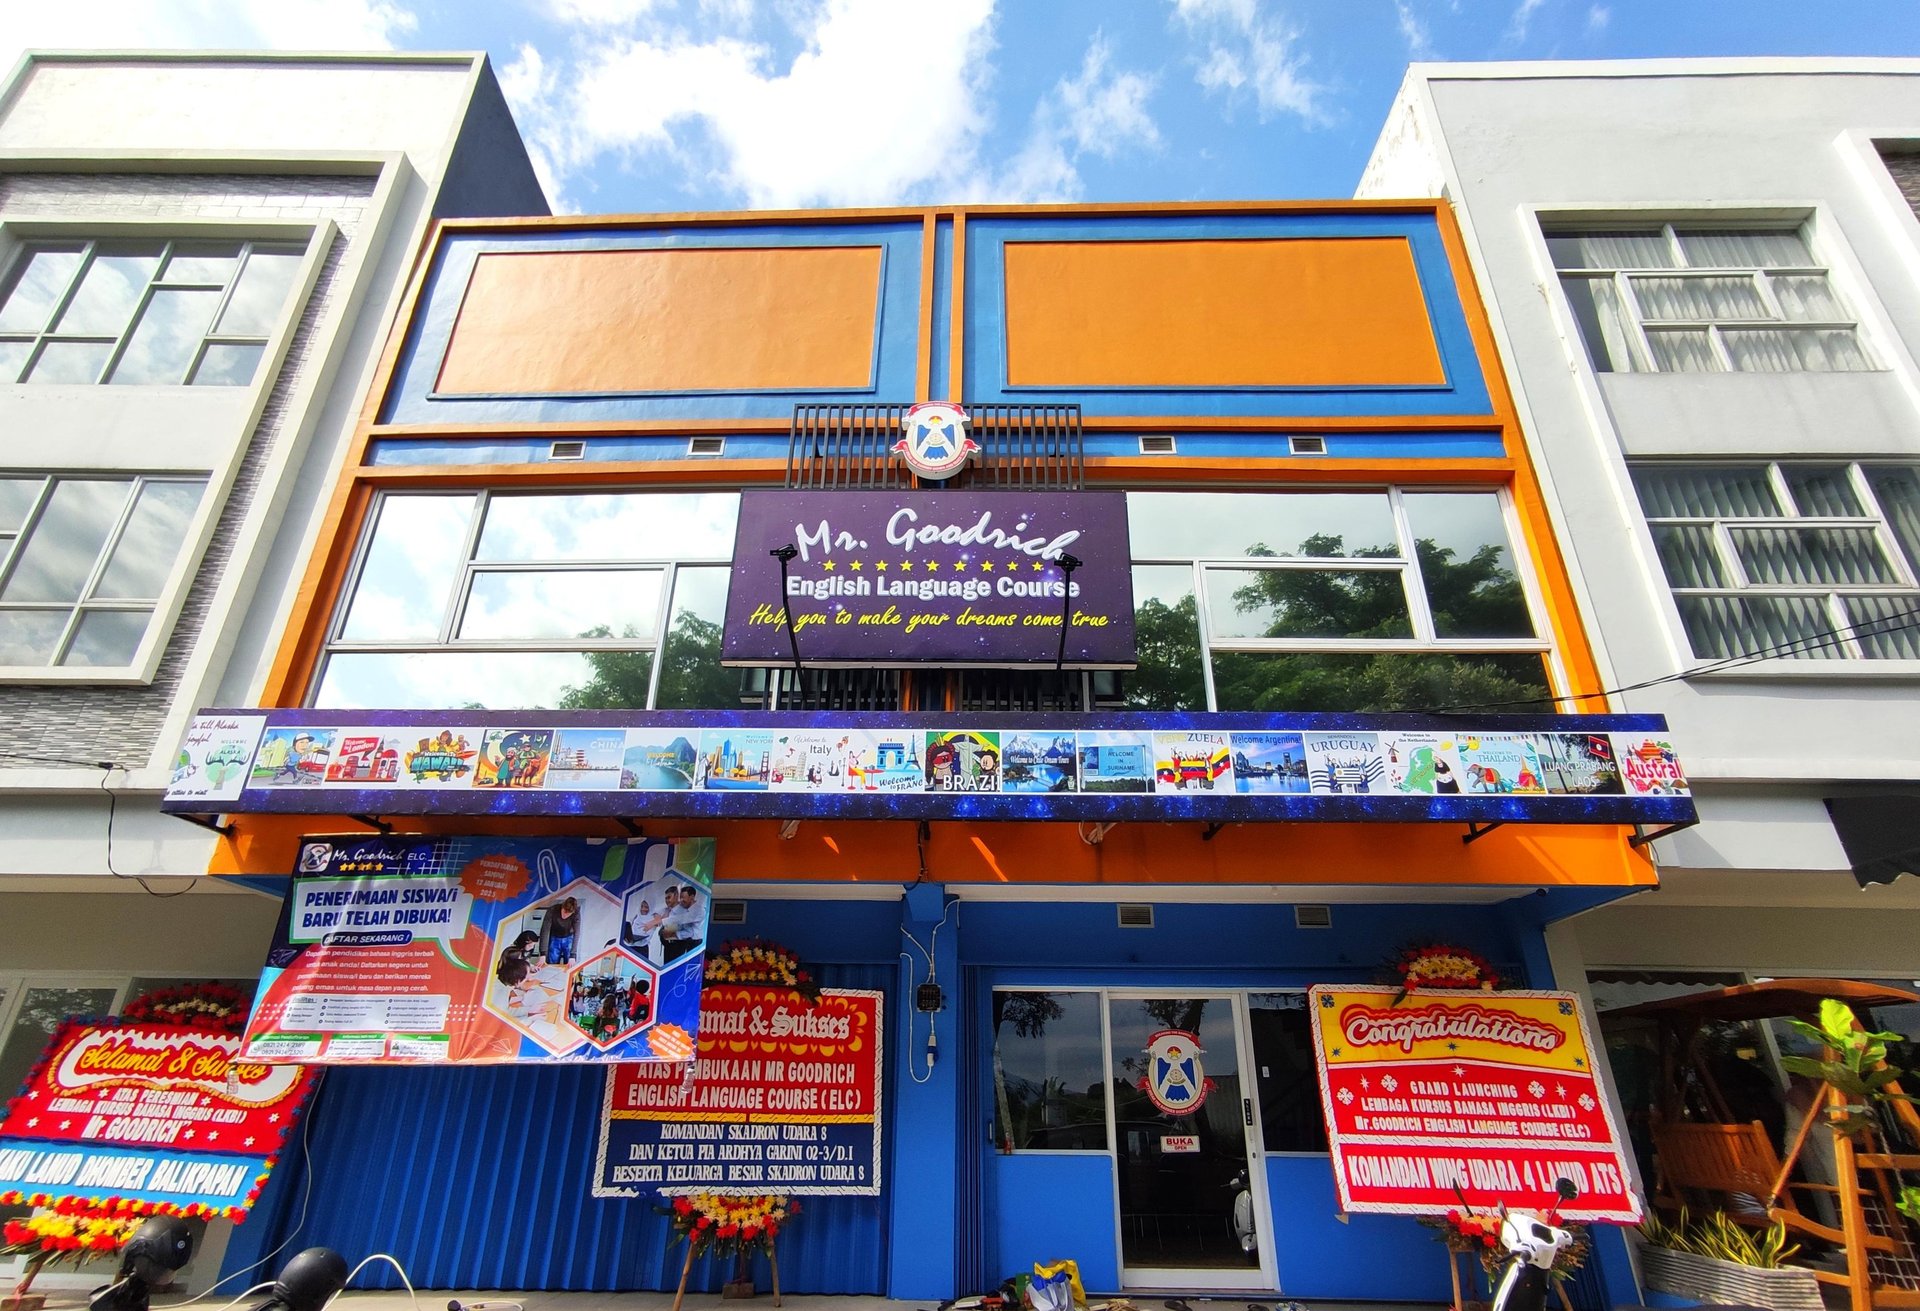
x=533, y=993
x=560, y=932
x=686, y=923
x=610, y=999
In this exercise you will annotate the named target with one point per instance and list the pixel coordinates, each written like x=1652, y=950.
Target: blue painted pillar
x=923, y=1194
x=1527, y=918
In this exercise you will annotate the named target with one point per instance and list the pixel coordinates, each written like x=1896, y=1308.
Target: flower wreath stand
x=730, y=1226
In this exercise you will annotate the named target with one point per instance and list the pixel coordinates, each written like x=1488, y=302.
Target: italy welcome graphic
x=484, y=950
x=1488, y=1098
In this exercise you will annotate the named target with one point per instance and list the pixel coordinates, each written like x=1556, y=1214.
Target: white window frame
x=1832, y=596
x=1641, y=349
x=448, y=637
x=215, y=425
x=1423, y=640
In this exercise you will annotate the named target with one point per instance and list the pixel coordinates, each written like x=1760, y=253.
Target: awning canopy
x=1224, y=768
x=1881, y=835
x=1773, y=999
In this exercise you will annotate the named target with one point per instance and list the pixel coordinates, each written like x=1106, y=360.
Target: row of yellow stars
x=932, y=566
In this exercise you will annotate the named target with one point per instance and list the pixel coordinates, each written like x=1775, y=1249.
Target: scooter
x=1532, y=1243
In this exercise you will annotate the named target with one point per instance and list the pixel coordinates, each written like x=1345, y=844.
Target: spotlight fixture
x=158, y=1248
x=307, y=1282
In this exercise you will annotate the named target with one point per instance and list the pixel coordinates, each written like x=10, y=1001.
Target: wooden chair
x=1733, y=1168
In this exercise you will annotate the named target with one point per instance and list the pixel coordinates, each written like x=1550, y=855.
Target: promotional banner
x=908, y=577
x=1435, y=1098
x=1567, y=769
x=785, y=1098
x=149, y=1113
x=476, y=950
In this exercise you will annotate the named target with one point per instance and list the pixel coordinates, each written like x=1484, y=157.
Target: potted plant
x=1718, y=1260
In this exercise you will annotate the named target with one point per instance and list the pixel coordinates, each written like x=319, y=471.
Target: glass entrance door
x=1186, y=1167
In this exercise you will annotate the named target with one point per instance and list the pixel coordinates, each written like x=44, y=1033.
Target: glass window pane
x=151, y=542
x=1297, y=680
x=13, y=358
x=110, y=290
x=591, y=603
x=106, y=638
x=1823, y=490
x=1166, y=626
x=16, y=501
x=1369, y=603
x=1467, y=564
x=610, y=526
x=691, y=676
x=1690, y=556
x=71, y=361
x=1683, y=350
x=1700, y=300
x=1048, y=1093
x=262, y=291
x=38, y=285
x=162, y=347
x=1709, y=249
x=410, y=571
x=224, y=364
x=1806, y=296
x=1606, y=326
x=1897, y=488
x=41, y=1011
x=65, y=544
x=1217, y=525
x=1610, y=250
x=1723, y=626
x=1887, y=626
x=31, y=637
x=1693, y=491
x=1797, y=556
x=208, y=262
x=472, y=680
x=1286, y=1076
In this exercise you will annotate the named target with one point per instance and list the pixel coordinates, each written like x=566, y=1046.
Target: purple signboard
x=942, y=578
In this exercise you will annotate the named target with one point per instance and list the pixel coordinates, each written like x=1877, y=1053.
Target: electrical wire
x=1816, y=641
x=306, y=1201
x=113, y=806
x=378, y=1256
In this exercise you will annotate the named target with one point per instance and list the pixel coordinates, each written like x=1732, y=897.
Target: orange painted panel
x=760, y=319
x=1320, y=312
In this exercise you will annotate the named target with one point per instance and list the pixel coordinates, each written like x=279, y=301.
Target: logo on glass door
x=1175, y=1081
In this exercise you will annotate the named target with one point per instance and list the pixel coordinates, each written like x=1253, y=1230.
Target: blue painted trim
x=1463, y=392
x=388, y=451
x=411, y=398
x=532, y=449
x=942, y=334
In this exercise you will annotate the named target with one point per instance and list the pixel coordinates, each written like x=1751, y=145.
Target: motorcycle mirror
x=1567, y=1189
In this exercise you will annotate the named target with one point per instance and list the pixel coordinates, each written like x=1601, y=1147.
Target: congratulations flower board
x=156, y=1116
x=410, y=951
x=784, y=1099
x=1490, y=1097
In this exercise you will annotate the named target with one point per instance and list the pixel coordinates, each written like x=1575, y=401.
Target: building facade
x=1702, y=278
x=1334, y=526
x=199, y=255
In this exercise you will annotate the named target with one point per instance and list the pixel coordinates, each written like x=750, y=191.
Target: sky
x=669, y=105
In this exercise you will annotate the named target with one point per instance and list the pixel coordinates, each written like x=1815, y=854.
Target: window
x=1809, y=561
x=573, y=600
x=1376, y=599
x=1049, y=1072
x=156, y=312
x=1286, y=1075
x=1704, y=300
x=83, y=562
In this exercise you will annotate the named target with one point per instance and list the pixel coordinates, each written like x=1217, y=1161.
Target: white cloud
x=885, y=103
x=1103, y=116
x=1412, y=30
x=1597, y=19
x=1246, y=51
x=202, y=24
x=1522, y=18
x=598, y=13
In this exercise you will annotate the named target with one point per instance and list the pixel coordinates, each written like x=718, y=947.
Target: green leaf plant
x=1909, y=1203
x=1857, y=1070
x=1721, y=1238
